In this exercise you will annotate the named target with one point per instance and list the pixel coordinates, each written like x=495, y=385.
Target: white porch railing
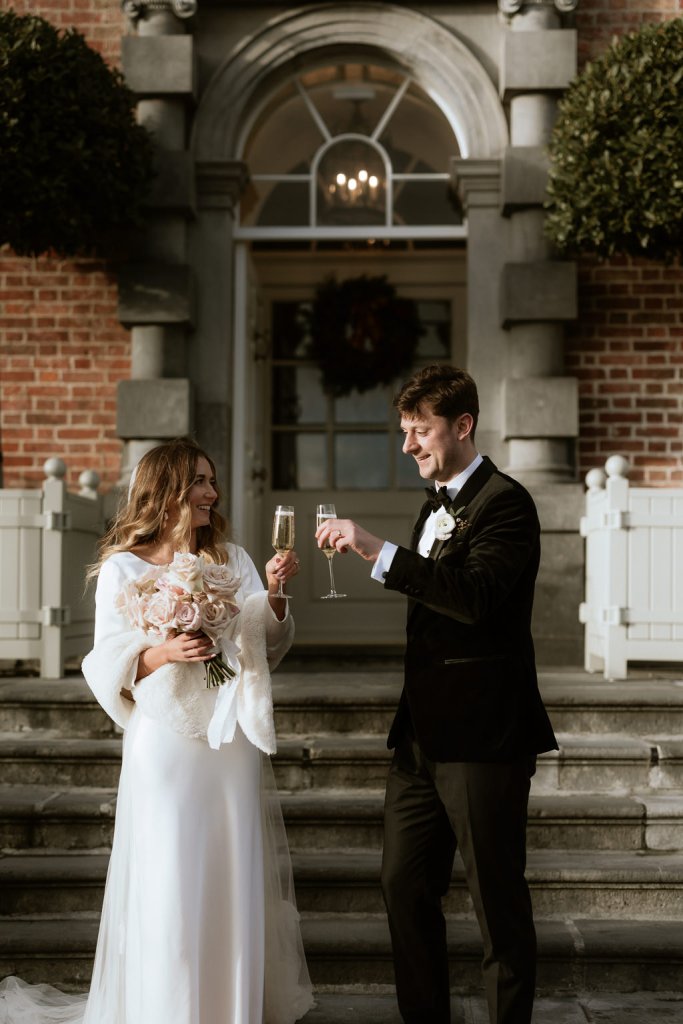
x=47, y=537
x=634, y=572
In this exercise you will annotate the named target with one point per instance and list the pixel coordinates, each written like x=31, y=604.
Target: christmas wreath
x=362, y=335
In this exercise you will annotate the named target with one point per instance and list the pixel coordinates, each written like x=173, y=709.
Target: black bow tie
x=437, y=499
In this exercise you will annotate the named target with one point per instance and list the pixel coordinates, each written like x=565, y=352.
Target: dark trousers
x=431, y=808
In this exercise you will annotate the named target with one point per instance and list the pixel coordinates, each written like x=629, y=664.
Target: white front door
x=296, y=445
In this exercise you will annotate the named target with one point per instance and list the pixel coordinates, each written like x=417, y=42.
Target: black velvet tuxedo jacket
x=471, y=692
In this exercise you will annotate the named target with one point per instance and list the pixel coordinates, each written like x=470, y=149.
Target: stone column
x=155, y=290
x=538, y=292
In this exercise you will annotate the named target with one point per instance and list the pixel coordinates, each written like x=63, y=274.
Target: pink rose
x=188, y=616
x=216, y=616
x=220, y=582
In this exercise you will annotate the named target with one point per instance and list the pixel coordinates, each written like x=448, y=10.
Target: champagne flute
x=322, y=513
x=283, y=536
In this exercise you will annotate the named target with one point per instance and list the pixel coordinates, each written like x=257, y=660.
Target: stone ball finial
x=617, y=465
x=89, y=481
x=54, y=468
x=595, y=479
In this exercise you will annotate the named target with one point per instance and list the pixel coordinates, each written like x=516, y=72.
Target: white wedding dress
x=199, y=923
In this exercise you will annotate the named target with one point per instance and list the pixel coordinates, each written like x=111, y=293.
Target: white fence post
x=633, y=609
x=615, y=523
x=55, y=614
x=47, y=538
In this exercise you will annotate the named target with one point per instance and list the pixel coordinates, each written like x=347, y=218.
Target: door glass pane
x=368, y=407
x=290, y=330
x=361, y=461
x=406, y=468
x=435, y=340
x=299, y=462
x=297, y=397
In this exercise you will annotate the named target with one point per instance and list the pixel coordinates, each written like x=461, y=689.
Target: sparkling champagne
x=322, y=513
x=283, y=530
x=327, y=548
x=283, y=536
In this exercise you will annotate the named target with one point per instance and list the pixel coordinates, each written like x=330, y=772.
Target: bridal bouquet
x=187, y=596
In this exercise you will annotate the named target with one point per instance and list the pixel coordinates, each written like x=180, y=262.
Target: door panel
x=347, y=451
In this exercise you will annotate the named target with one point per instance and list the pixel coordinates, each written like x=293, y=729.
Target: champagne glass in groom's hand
x=322, y=513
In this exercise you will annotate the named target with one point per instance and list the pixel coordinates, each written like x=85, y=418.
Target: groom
x=470, y=720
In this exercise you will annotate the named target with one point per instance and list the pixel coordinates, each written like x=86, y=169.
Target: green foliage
x=362, y=334
x=616, y=173
x=75, y=166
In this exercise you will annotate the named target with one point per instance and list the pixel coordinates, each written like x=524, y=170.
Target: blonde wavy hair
x=163, y=478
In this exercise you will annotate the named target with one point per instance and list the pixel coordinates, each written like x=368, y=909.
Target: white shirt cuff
x=384, y=560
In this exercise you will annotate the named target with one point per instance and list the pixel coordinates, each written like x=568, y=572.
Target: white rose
x=186, y=571
x=219, y=581
x=160, y=613
x=130, y=603
x=444, y=526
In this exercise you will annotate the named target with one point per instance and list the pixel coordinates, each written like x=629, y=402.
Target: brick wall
x=62, y=349
x=627, y=347
x=598, y=21
x=627, y=352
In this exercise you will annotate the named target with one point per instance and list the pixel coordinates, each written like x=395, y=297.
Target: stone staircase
x=605, y=831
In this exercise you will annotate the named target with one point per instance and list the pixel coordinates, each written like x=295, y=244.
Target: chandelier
x=353, y=180
x=357, y=187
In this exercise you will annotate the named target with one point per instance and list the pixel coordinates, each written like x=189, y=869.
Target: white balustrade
x=634, y=572
x=47, y=538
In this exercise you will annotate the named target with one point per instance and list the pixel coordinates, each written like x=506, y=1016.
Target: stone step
x=66, y=705
x=603, y=1007
x=308, y=703
x=604, y=762
x=588, y=883
x=66, y=818
x=577, y=954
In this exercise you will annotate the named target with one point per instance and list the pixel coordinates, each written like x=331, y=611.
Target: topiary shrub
x=616, y=170
x=75, y=166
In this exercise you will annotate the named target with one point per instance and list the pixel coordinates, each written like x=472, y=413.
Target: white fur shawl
x=176, y=693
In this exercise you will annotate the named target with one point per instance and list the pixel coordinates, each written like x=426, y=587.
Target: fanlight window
x=347, y=150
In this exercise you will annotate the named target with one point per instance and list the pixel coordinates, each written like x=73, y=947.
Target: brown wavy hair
x=163, y=477
x=447, y=390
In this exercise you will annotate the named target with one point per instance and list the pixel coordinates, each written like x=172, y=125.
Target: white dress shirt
x=427, y=537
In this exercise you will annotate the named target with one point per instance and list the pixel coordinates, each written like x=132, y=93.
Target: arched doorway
x=348, y=147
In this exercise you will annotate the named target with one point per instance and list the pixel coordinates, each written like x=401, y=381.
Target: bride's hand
x=188, y=647
x=281, y=567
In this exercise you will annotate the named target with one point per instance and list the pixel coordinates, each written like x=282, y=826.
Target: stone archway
x=436, y=58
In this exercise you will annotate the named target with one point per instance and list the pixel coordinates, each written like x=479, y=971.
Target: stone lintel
x=154, y=408
x=476, y=181
x=155, y=294
x=543, y=61
x=159, y=65
x=220, y=183
x=540, y=407
x=524, y=177
x=173, y=187
x=537, y=291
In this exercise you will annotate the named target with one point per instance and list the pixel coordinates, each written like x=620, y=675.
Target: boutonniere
x=446, y=524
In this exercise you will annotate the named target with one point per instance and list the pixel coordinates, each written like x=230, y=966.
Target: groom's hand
x=344, y=534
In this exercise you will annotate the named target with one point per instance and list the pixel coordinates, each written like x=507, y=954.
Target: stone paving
x=603, y=1008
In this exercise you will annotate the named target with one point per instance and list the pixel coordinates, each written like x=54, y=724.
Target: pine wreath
x=362, y=334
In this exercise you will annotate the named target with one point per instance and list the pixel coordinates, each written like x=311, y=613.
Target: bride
x=199, y=922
